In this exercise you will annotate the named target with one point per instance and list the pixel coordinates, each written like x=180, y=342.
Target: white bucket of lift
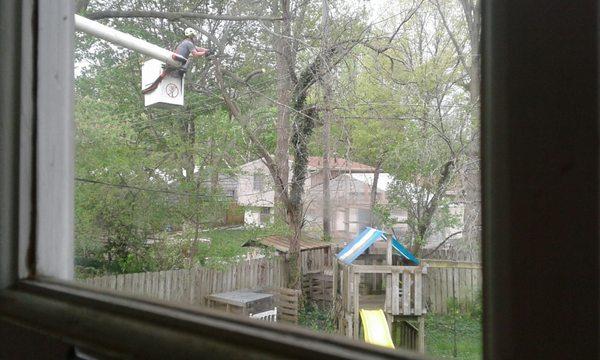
x=170, y=90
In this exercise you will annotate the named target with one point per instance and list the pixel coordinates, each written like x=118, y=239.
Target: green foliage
x=146, y=192
x=226, y=245
x=457, y=334
x=316, y=317
x=142, y=171
x=450, y=337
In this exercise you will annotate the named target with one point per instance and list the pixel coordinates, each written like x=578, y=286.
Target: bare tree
x=469, y=57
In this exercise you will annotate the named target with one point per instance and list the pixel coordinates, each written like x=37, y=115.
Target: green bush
x=317, y=318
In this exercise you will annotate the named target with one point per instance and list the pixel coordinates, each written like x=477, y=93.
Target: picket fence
x=448, y=282
x=192, y=286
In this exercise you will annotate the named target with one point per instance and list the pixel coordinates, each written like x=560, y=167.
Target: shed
x=315, y=254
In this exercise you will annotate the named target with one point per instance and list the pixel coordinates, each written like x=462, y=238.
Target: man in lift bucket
x=187, y=48
x=184, y=51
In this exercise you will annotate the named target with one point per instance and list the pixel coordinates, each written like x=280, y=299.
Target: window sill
x=112, y=325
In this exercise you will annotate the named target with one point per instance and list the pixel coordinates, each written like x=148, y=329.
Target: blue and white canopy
x=365, y=239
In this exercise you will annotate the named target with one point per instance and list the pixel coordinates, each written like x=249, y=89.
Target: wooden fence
x=451, y=281
x=317, y=286
x=314, y=260
x=453, y=254
x=445, y=281
x=287, y=303
x=192, y=286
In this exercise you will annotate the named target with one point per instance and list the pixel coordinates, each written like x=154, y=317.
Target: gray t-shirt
x=185, y=48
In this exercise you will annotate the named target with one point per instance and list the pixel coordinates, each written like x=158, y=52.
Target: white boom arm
x=130, y=42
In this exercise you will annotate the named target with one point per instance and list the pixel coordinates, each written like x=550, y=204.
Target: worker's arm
x=198, y=51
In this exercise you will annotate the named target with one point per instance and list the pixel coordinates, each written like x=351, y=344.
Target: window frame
x=112, y=324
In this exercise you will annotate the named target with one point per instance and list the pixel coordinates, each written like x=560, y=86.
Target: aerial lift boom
x=171, y=89
x=125, y=40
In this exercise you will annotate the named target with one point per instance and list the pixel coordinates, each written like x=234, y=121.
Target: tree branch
x=441, y=244
x=457, y=46
x=244, y=122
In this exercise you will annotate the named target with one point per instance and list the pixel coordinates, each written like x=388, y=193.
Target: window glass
x=197, y=178
x=258, y=182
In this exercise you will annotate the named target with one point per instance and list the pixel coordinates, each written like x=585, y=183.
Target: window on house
x=258, y=182
x=265, y=215
x=364, y=217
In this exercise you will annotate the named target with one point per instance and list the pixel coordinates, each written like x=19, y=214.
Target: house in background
x=350, y=205
x=255, y=186
x=350, y=191
x=337, y=167
x=255, y=193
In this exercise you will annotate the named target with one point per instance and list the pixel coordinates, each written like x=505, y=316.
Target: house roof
x=365, y=239
x=316, y=162
x=339, y=164
x=383, y=183
x=282, y=243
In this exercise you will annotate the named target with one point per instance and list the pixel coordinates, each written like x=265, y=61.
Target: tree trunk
x=472, y=173
x=326, y=80
x=326, y=170
x=284, y=93
x=373, y=200
x=188, y=134
x=294, y=260
x=303, y=128
x=432, y=206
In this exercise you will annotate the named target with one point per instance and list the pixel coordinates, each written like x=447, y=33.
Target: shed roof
x=282, y=243
x=365, y=239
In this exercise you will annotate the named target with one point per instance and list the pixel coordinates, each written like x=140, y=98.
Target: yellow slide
x=375, y=328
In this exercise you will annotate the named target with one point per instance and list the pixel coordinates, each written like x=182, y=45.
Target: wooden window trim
x=520, y=247
x=106, y=323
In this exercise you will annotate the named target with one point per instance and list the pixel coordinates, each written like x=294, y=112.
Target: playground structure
x=362, y=282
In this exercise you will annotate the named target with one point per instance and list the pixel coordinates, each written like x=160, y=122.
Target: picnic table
x=242, y=302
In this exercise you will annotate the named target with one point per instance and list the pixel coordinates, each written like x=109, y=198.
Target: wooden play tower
x=391, y=279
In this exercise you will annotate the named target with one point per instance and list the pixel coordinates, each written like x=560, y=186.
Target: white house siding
x=350, y=203
x=247, y=194
x=256, y=201
x=350, y=207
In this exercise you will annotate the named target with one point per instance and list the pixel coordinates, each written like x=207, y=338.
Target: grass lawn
x=439, y=337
